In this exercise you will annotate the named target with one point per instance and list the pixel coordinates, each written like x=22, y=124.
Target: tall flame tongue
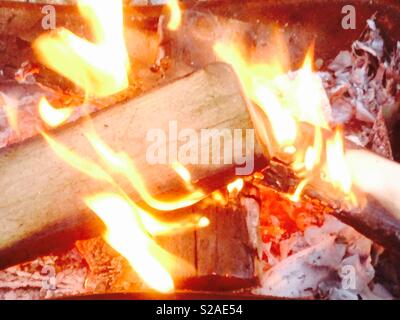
x=175, y=15
x=287, y=99
x=101, y=69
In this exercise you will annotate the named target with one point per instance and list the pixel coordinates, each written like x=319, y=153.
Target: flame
x=176, y=15
x=295, y=197
x=288, y=99
x=124, y=234
x=52, y=116
x=182, y=172
x=258, y=83
x=158, y=228
x=121, y=162
x=129, y=227
x=99, y=67
x=337, y=169
x=236, y=186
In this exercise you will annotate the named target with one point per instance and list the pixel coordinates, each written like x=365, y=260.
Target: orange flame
x=101, y=67
x=337, y=170
x=123, y=164
x=125, y=234
x=128, y=225
x=287, y=99
x=52, y=116
x=175, y=15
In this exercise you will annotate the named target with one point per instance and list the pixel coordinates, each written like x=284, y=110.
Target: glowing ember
x=100, y=68
x=236, y=186
x=52, y=116
x=176, y=15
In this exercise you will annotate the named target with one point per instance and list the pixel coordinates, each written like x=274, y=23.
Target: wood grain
x=41, y=200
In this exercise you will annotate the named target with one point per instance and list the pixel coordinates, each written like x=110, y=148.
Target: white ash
x=44, y=278
x=321, y=262
x=362, y=82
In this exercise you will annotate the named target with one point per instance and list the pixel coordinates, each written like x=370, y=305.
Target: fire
x=121, y=163
x=99, y=67
x=337, y=170
x=175, y=15
x=236, y=186
x=52, y=116
x=128, y=225
x=288, y=100
x=182, y=171
x=124, y=234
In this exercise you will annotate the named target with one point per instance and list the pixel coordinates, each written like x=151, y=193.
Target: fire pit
x=200, y=150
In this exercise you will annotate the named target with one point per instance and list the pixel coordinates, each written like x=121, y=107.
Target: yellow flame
x=86, y=166
x=219, y=198
x=157, y=228
x=99, y=67
x=182, y=171
x=121, y=162
x=337, y=170
x=295, y=197
x=52, y=116
x=288, y=99
x=236, y=186
x=312, y=156
x=124, y=234
x=258, y=83
x=175, y=15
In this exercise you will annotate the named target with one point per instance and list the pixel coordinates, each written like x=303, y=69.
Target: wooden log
x=206, y=253
x=377, y=216
x=229, y=232
x=42, y=207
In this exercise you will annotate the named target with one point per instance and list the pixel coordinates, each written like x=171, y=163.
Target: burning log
x=375, y=218
x=378, y=214
x=211, y=266
x=43, y=207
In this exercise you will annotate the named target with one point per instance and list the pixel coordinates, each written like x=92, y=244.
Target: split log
x=208, y=252
x=231, y=230
x=42, y=207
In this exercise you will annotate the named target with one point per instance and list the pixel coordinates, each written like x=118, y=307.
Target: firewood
x=211, y=266
x=229, y=231
x=42, y=207
x=377, y=216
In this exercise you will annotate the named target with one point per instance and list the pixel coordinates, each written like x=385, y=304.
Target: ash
x=302, y=254
x=363, y=89
x=328, y=259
